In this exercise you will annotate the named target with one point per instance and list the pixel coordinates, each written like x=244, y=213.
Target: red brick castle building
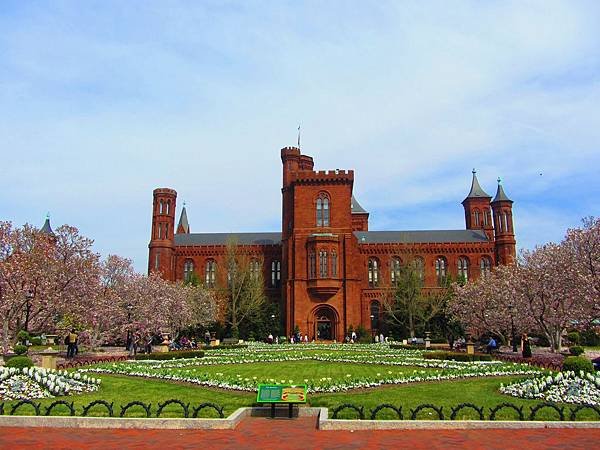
x=325, y=268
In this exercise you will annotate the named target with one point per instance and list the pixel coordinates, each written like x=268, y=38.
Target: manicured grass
x=481, y=392
x=300, y=372
x=122, y=390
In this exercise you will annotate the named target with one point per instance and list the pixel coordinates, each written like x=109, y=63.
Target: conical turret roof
x=476, y=191
x=184, y=226
x=355, y=207
x=500, y=194
x=46, y=228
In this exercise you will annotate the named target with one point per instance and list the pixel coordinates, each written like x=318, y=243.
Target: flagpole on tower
x=298, y=137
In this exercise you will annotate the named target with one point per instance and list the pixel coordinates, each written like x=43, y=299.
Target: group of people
x=492, y=346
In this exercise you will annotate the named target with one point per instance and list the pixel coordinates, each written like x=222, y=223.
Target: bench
x=281, y=394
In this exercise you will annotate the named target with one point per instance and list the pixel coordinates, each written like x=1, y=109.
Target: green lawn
x=121, y=389
x=301, y=372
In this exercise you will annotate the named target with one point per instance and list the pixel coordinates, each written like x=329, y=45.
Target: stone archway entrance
x=325, y=323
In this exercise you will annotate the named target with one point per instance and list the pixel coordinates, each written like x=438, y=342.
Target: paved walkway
x=266, y=434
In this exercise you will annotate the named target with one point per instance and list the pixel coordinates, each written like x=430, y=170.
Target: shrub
x=574, y=337
x=456, y=356
x=590, y=337
x=20, y=349
x=171, y=355
x=282, y=339
x=576, y=350
x=36, y=340
x=577, y=363
x=19, y=362
x=22, y=336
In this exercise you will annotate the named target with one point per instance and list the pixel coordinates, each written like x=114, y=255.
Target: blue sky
x=101, y=102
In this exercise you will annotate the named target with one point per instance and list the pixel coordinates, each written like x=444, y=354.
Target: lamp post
x=372, y=330
x=512, y=327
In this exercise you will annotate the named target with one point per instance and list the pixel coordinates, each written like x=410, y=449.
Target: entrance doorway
x=325, y=324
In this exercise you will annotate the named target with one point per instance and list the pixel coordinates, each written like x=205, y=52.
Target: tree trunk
x=411, y=325
x=5, y=335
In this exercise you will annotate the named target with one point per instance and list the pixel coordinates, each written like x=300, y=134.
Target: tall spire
x=46, y=228
x=500, y=195
x=476, y=191
x=184, y=226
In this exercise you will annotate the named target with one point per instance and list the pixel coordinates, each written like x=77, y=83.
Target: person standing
x=71, y=343
x=525, y=346
x=207, y=338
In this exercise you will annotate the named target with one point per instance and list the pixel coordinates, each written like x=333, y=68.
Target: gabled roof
x=476, y=191
x=420, y=236
x=183, y=222
x=223, y=238
x=355, y=207
x=46, y=228
x=500, y=195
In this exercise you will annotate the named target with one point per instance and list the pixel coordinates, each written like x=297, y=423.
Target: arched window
x=160, y=207
x=254, y=269
x=463, y=268
x=375, y=309
x=188, y=269
x=395, y=271
x=485, y=265
x=322, y=264
x=275, y=273
x=210, y=273
x=506, y=222
x=323, y=211
x=333, y=264
x=486, y=214
x=373, y=272
x=440, y=270
x=157, y=260
x=312, y=265
x=168, y=207
x=419, y=264
x=499, y=223
x=166, y=231
x=476, y=217
x=160, y=230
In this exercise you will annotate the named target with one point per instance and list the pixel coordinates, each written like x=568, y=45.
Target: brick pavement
x=266, y=434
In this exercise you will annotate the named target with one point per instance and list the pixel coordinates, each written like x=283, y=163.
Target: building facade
x=325, y=269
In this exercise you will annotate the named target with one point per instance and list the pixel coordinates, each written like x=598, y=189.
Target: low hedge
x=407, y=347
x=577, y=363
x=225, y=347
x=457, y=356
x=171, y=355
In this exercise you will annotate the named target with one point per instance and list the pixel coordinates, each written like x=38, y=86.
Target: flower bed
x=192, y=371
x=35, y=382
x=564, y=387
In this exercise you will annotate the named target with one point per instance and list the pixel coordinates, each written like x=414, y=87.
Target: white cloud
x=100, y=105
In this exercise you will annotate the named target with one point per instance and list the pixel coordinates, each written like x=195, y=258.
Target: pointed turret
x=476, y=191
x=477, y=208
x=500, y=195
x=183, y=227
x=503, y=227
x=360, y=217
x=46, y=228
